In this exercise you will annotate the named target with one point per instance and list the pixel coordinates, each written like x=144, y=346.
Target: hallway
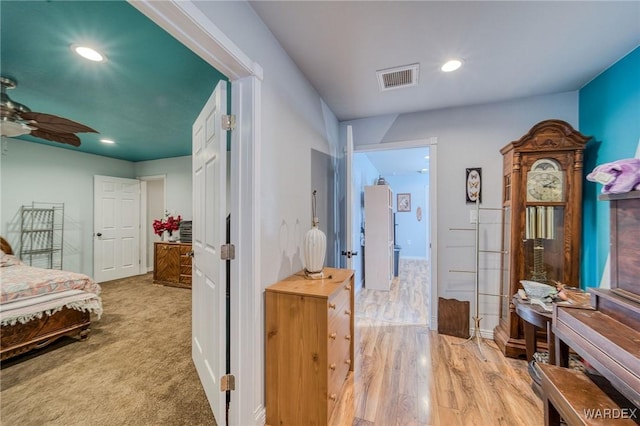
x=406, y=374
x=407, y=302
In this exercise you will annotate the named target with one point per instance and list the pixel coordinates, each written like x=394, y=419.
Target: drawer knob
x=348, y=362
x=347, y=337
x=347, y=287
x=332, y=305
x=332, y=366
x=347, y=311
x=333, y=335
x=333, y=397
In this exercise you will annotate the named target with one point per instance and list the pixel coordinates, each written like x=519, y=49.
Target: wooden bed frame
x=38, y=333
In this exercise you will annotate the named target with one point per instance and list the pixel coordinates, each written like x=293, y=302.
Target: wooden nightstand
x=172, y=264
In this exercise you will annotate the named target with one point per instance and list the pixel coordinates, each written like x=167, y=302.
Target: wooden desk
x=534, y=317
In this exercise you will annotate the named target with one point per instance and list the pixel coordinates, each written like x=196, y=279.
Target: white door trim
x=416, y=143
x=145, y=220
x=189, y=25
x=432, y=143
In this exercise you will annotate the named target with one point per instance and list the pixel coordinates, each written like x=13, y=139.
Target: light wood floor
x=406, y=374
x=406, y=302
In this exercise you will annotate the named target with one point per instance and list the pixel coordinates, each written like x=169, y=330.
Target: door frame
x=432, y=144
x=144, y=215
x=184, y=21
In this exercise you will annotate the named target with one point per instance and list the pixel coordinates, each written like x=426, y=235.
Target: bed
x=39, y=306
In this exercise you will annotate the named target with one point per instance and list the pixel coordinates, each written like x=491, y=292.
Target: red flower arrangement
x=170, y=224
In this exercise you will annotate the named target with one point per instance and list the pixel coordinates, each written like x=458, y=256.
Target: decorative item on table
x=381, y=181
x=617, y=177
x=539, y=294
x=536, y=290
x=168, y=225
x=185, y=230
x=314, y=246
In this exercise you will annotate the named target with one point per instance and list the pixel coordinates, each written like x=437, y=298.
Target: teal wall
x=609, y=111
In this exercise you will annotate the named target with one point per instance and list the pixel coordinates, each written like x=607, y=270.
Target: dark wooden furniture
x=309, y=346
x=38, y=333
x=534, y=317
x=571, y=396
x=608, y=336
x=542, y=216
x=453, y=317
x=172, y=264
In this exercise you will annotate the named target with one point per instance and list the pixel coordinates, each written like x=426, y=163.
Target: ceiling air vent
x=396, y=78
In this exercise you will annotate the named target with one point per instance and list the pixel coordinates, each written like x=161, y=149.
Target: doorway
x=156, y=207
x=406, y=168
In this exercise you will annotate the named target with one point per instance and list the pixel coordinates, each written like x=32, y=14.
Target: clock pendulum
x=538, y=273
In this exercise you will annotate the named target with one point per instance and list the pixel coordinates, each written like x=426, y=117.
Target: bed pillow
x=8, y=260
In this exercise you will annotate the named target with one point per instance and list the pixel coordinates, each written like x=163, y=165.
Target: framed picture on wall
x=474, y=185
x=403, y=202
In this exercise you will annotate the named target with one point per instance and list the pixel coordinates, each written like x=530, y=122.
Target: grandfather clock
x=541, y=216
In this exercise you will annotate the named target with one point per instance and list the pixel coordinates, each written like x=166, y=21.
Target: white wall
x=178, y=187
x=468, y=137
x=36, y=172
x=294, y=121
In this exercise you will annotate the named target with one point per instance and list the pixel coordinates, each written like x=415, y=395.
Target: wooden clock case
x=557, y=255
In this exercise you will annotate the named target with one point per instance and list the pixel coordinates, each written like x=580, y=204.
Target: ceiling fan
x=17, y=120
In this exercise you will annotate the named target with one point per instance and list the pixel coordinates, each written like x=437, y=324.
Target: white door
x=352, y=229
x=116, y=228
x=209, y=231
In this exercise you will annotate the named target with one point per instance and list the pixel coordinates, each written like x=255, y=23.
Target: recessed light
x=426, y=157
x=451, y=65
x=108, y=141
x=88, y=53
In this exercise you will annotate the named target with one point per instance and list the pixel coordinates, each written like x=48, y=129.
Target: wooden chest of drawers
x=172, y=264
x=309, y=346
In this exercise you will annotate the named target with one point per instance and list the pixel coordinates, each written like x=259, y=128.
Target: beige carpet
x=135, y=368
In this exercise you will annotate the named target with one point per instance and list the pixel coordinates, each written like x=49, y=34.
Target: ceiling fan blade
x=53, y=123
x=68, y=138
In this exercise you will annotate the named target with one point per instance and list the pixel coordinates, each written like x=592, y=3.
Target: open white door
x=349, y=193
x=209, y=230
x=116, y=228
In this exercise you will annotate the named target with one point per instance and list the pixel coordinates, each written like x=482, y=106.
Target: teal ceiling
x=145, y=97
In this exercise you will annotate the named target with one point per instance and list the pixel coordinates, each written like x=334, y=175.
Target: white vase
x=314, y=247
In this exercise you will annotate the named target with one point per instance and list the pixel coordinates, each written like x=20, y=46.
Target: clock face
x=545, y=182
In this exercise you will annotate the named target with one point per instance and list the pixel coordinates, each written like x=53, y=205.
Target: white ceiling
x=510, y=49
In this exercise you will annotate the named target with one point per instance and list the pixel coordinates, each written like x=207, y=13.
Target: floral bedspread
x=19, y=281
